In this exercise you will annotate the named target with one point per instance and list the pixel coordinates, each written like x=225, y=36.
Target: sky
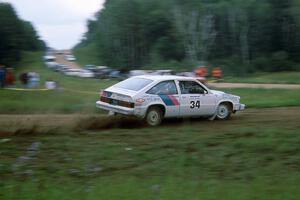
x=60, y=23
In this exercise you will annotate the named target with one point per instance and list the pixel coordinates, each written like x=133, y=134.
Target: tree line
x=240, y=36
x=16, y=35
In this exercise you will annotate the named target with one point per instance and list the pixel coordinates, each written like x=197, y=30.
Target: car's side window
x=164, y=88
x=191, y=87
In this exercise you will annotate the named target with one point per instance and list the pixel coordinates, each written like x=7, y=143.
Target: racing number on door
x=194, y=104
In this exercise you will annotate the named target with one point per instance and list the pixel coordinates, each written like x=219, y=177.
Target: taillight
x=117, y=102
x=104, y=99
x=126, y=104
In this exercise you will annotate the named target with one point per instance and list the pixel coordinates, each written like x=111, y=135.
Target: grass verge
x=275, y=77
x=252, y=156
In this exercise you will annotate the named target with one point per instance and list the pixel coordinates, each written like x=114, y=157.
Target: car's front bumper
x=240, y=107
x=114, y=108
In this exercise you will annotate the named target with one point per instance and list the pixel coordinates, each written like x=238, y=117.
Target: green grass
x=189, y=160
x=276, y=77
x=264, y=98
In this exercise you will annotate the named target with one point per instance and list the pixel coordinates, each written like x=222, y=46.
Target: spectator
x=10, y=77
x=201, y=71
x=24, y=79
x=34, y=80
x=51, y=85
x=217, y=73
x=2, y=76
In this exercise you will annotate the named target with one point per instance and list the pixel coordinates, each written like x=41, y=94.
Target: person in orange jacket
x=201, y=72
x=217, y=73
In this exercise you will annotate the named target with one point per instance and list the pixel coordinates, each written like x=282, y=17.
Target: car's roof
x=165, y=77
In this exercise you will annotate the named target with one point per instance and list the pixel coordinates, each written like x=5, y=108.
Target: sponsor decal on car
x=169, y=100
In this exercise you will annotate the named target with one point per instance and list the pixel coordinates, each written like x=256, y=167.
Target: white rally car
x=156, y=97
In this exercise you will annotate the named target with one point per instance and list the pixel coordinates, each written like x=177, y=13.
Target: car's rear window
x=134, y=84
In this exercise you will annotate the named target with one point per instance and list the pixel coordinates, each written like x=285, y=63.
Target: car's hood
x=224, y=95
x=217, y=92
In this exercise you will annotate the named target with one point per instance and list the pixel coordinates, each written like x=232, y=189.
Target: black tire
x=224, y=111
x=154, y=116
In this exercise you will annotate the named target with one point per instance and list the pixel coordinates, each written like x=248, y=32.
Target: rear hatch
x=118, y=97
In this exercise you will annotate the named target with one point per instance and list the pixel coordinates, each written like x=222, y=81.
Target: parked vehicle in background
x=90, y=67
x=60, y=52
x=49, y=61
x=156, y=97
x=72, y=72
x=51, y=65
x=59, y=67
x=70, y=58
x=64, y=68
x=86, y=74
x=117, y=74
x=49, y=58
x=133, y=73
x=163, y=72
x=102, y=72
x=186, y=74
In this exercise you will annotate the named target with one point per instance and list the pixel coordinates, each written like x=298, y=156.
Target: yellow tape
x=27, y=89
x=44, y=89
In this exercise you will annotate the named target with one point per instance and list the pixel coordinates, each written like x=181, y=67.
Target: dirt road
x=254, y=85
x=60, y=58
x=286, y=116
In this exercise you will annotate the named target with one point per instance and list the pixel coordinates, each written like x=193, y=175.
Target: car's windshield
x=134, y=84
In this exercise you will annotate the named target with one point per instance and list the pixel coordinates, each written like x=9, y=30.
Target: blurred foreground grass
x=252, y=156
x=80, y=95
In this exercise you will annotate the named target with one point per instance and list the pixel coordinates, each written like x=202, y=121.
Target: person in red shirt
x=10, y=77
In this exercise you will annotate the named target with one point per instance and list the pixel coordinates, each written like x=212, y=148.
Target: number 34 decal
x=194, y=104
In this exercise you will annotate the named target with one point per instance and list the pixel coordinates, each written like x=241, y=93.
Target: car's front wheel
x=223, y=111
x=154, y=116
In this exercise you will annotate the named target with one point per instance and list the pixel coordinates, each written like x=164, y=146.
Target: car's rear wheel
x=154, y=116
x=223, y=111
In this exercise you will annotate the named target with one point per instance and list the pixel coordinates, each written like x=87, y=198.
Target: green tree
x=16, y=35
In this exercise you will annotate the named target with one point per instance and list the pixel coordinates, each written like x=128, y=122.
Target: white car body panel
x=175, y=105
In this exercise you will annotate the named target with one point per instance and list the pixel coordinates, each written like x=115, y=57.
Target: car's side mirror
x=204, y=92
